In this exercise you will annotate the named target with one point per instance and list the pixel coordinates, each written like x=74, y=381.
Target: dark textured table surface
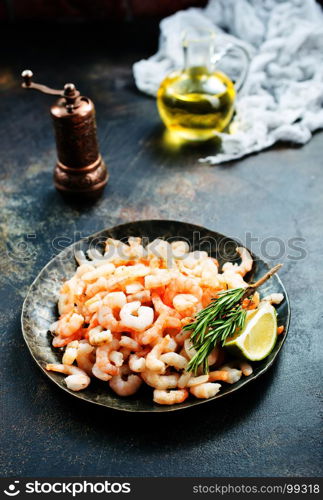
x=269, y=428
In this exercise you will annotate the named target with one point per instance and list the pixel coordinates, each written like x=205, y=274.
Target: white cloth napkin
x=282, y=99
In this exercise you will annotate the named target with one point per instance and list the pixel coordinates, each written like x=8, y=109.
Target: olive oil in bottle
x=195, y=103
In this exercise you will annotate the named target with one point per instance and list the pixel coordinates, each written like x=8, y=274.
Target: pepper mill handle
x=69, y=92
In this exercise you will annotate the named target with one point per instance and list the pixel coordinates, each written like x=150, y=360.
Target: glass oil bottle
x=198, y=101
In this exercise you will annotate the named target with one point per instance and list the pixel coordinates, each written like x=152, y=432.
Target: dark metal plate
x=40, y=307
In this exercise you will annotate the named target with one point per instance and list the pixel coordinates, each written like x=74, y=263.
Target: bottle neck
x=199, y=54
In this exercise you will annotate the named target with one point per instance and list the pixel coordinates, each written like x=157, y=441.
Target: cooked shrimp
x=70, y=353
x=205, y=391
x=273, y=298
x=99, y=285
x=96, y=257
x=105, y=377
x=84, y=356
x=187, y=320
x=98, y=336
x=111, y=244
x=182, y=352
x=209, y=274
x=136, y=250
x=173, y=359
x=53, y=327
x=186, y=304
x=91, y=306
x=194, y=259
x=193, y=381
x=213, y=356
x=115, y=300
x=161, y=307
x=126, y=383
x=231, y=279
x=246, y=261
x=159, y=248
x=154, y=333
x=102, y=271
x=179, y=249
x=116, y=358
x=153, y=363
x=187, y=272
x=160, y=381
x=172, y=325
x=136, y=363
x=110, y=308
x=136, y=317
x=164, y=397
x=132, y=273
x=144, y=296
x=66, y=299
x=116, y=251
x=103, y=360
x=182, y=285
x=107, y=319
x=226, y=374
x=191, y=264
x=244, y=367
x=85, y=267
x=189, y=349
x=159, y=278
x=121, y=277
x=183, y=379
x=187, y=380
x=77, y=379
x=129, y=343
x=244, y=267
x=69, y=293
x=63, y=341
x=69, y=323
x=92, y=322
x=134, y=288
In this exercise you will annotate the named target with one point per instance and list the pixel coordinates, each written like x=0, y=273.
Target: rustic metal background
x=269, y=428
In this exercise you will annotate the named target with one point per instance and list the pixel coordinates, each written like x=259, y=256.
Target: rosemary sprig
x=221, y=319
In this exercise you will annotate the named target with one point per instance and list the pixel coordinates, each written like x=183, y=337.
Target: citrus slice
x=258, y=337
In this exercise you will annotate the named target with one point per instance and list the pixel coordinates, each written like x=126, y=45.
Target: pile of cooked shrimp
x=122, y=315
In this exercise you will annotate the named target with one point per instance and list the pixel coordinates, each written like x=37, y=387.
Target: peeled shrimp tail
x=163, y=397
x=205, y=391
x=77, y=379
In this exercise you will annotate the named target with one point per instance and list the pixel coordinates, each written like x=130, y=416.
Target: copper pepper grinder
x=80, y=169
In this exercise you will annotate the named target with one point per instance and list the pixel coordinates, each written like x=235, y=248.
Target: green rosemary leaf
x=221, y=319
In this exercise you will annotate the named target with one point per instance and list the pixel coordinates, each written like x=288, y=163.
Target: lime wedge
x=258, y=337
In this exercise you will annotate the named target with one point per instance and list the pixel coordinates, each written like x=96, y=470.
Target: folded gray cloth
x=282, y=99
